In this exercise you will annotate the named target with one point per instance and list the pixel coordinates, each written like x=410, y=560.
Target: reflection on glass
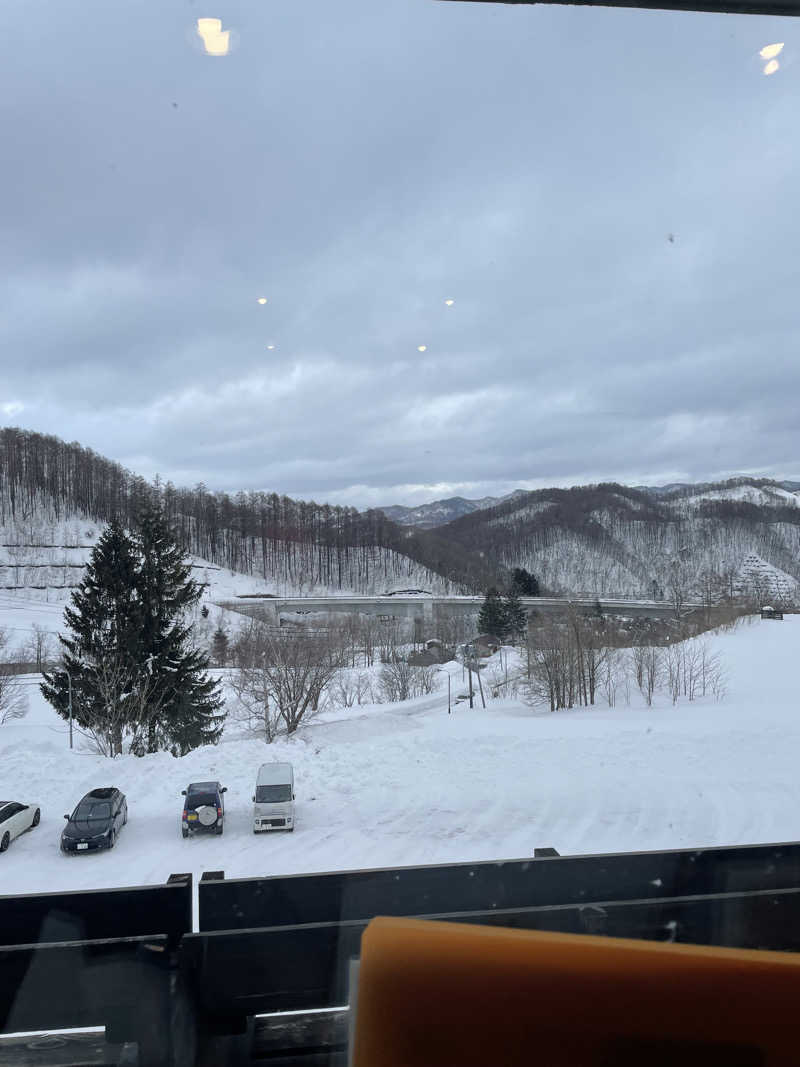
x=270, y=347
x=772, y=66
x=421, y=348
x=769, y=51
x=215, y=39
x=262, y=300
x=449, y=302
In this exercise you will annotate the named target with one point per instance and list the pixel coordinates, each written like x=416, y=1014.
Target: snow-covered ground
x=408, y=784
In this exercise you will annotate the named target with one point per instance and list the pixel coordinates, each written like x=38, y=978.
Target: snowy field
x=408, y=784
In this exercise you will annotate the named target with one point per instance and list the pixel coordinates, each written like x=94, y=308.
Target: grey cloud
x=357, y=164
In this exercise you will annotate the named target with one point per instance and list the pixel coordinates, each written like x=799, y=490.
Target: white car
x=15, y=819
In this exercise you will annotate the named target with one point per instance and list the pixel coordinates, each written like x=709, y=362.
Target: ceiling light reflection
x=421, y=348
x=215, y=40
x=769, y=51
x=449, y=302
x=262, y=300
x=772, y=66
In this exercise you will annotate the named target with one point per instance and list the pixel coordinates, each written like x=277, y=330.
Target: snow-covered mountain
x=604, y=540
x=713, y=539
x=440, y=512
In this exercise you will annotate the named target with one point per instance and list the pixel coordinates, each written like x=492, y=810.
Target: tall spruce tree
x=220, y=647
x=516, y=617
x=184, y=709
x=492, y=617
x=99, y=650
x=525, y=583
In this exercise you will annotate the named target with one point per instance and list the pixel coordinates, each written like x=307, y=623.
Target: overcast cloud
x=359, y=162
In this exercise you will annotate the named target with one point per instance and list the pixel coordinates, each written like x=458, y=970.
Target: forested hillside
x=300, y=544
x=606, y=539
x=710, y=540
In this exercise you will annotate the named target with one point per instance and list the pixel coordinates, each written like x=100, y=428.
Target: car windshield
x=92, y=811
x=266, y=794
x=200, y=800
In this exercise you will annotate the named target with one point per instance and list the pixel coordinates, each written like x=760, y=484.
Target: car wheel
x=184, y=832
x=125, y=820
x=5, y=842
x=36, y=817
x=219, y=830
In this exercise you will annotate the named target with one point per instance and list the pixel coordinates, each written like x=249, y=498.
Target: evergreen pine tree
x=99, y=650
x=516, y=617
x=525, y=583
x=219, y=647
x=183, y=711
x=492, y=618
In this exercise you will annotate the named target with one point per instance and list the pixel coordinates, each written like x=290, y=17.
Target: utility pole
x=69, y=698
x=441, y=670
x=480, y=685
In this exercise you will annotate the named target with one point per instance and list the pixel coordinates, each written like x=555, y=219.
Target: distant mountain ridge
x=702, y=540
x=440, y=512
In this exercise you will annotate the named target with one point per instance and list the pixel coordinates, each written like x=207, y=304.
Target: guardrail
x=265, y=947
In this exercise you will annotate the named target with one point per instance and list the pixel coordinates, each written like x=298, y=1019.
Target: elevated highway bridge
x=432, y=608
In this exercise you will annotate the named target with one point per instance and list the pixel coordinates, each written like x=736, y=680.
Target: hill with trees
x=711, y=540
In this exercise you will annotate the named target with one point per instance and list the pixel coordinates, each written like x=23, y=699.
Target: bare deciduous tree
x=400, y=680
x=38, y=648
x=694, y=670
x=612, y=675
x=253, y=706
x=647, y=666
x=13, y=698
x=352, y=687
x=282, y=676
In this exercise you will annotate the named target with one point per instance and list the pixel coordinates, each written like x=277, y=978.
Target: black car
x=96, y=821
x=203, y=809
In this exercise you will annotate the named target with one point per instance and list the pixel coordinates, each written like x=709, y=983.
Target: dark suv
x=203, y=809
x=96, y=821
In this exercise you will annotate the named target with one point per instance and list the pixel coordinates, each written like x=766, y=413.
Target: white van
x=273, y=802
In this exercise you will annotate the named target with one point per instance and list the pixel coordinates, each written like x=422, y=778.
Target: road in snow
x=408, y=784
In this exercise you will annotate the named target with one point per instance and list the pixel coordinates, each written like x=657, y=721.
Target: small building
x=768, y=612
x=486, y=644
x=434, y=652
x=425, y=658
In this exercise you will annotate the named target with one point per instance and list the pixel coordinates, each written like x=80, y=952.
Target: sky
x=607, y=198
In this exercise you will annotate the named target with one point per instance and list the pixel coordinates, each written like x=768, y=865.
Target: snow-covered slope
x=42, y=560
x=439, y=512
x=609, y=540
x=764, y=495
x=408, y=783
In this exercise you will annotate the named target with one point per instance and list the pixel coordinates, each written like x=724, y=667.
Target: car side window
x=6, y=813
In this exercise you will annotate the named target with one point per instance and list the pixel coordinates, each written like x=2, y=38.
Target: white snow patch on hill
x=756, y=576
x=771, y=496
